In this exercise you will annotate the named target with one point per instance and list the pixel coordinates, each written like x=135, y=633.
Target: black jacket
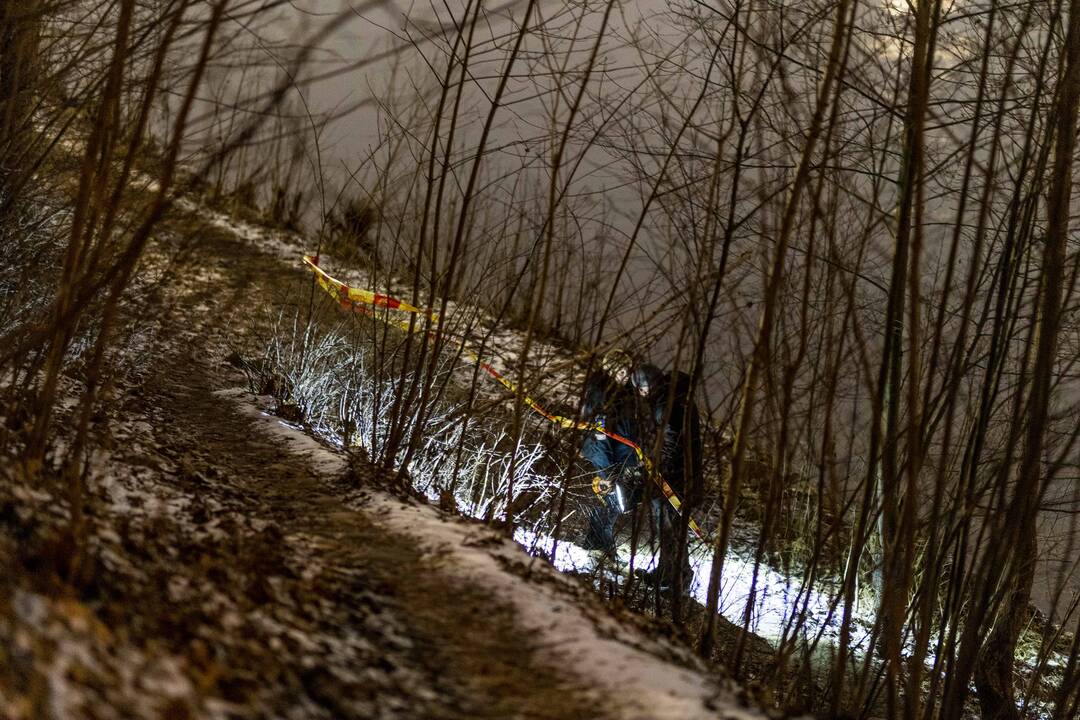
x=681, y=451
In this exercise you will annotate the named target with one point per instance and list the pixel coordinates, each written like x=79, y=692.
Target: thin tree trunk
x=995, y=666
x=898, y=507
x=760, y=358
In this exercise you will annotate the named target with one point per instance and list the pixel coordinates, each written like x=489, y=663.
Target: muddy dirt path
x=404, y=640
x=372, y=627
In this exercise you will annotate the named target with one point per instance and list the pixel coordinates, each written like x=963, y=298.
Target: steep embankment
x=237, y=573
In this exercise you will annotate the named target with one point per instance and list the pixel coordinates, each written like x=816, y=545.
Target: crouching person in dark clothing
x=677, y=424
x=619, y=474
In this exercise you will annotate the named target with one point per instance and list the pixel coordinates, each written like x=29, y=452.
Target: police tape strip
x=357, y=300
x=351, y=298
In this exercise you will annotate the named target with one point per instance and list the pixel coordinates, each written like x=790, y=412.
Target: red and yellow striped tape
x=358, y=300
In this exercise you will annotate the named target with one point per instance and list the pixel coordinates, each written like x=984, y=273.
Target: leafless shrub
x=322, y=376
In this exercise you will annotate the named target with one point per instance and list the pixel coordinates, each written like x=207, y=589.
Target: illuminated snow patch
x=569, y=557
x=574, y=558
x=777, y=598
